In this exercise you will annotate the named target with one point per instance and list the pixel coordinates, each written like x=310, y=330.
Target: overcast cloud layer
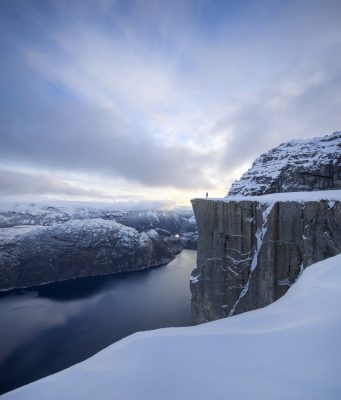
x=158, y=100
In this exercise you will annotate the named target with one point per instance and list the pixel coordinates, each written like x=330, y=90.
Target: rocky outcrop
x=299, y=165
x=32, y=255
x=251, y=251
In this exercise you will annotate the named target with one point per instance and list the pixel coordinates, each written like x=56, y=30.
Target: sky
x=153, y=103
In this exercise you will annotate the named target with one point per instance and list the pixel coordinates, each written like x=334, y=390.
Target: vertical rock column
x=250, y=252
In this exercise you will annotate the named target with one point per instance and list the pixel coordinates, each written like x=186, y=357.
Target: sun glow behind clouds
x=152, y=100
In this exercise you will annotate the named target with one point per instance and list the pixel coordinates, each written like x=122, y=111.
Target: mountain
x=48, y=213
x=296, y=166
x=41, y=243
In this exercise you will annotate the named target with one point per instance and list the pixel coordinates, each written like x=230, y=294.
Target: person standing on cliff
x=206, y=195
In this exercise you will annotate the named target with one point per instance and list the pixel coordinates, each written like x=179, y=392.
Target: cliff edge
x=283, y=215
x=252, y=249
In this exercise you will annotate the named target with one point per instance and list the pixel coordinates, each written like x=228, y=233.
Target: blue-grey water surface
x=48, y=328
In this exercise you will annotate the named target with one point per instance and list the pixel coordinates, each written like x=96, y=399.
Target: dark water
x=48, y=328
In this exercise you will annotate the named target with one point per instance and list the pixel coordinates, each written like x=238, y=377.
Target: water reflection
x=48, y=328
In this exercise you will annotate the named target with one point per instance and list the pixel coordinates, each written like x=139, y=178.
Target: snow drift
x=287, y=350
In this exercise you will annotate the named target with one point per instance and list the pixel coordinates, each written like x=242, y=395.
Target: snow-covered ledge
x=319, y=195
x=287, y=350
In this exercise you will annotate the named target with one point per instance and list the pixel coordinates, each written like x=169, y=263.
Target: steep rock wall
x=251, y=251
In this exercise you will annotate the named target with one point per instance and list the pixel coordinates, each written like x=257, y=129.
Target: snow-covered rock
x=49, y=241
x=32, y=255
x=287, y=350
x=298, y=165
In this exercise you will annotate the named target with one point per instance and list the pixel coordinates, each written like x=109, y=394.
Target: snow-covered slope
x=298, y=165
x=288, y=350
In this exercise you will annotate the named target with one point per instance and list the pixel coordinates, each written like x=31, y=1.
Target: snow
x=194, y=279
x=144, y=239
x=97, y=227
x=8, y=235
x=287, y=350
x=152, y=233
x=302, y=197
x=150, y=215
x=331, y=203
x=54, y=207
x=259, y=240
x=49, y=212
x=192, y=220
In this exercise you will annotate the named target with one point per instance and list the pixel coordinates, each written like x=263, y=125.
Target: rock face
x=299, y=165
x=32, y=255
x=250, y=251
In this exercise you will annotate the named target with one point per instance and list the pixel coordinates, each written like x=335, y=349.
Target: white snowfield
x=290, y=350
x=331, y=195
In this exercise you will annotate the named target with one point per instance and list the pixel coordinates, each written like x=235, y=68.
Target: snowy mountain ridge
x=14, y=213
x=298, y=165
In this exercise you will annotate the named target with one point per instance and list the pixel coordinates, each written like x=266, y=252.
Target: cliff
x=252, y=249
x=299, y=165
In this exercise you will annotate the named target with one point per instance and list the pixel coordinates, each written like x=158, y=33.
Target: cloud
x=17, y=183
x=91, y=105
x=302, y=102
x=25, y=187
x=86, y=139
x=158, y=94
